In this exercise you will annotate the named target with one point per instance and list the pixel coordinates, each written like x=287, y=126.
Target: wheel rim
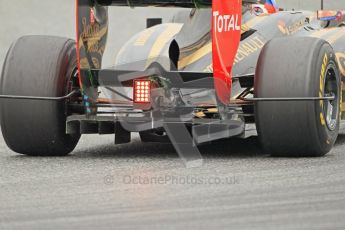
x=331, y=107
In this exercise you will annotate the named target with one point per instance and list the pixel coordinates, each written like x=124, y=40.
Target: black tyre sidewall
x=293, y=129
x=37, y=66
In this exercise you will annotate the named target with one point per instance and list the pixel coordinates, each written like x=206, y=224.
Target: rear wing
x=92, y=29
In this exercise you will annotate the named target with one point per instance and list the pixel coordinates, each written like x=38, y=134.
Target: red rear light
x=142, y=91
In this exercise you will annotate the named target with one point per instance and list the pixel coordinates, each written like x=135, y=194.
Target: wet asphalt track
x=97, y=186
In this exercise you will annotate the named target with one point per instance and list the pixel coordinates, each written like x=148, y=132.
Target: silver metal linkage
x=328, y=98
x=40, y=98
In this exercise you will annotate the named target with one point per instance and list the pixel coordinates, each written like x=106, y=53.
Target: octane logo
x=226, y=23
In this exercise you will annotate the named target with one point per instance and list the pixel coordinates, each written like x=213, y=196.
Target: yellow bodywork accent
x=197, y=55
x=252, y=22
x=171, y=30
x=207, y=49
x=212, y=110
x=93, y=38
x=144, y=37
x=201, y=114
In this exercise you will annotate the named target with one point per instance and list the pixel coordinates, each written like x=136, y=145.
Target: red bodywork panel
x=226, y=35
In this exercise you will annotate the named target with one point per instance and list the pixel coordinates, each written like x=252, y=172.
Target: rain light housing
x=142, y=91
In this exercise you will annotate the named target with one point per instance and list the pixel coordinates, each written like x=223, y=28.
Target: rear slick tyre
x=297, y=67
x=37, y=66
